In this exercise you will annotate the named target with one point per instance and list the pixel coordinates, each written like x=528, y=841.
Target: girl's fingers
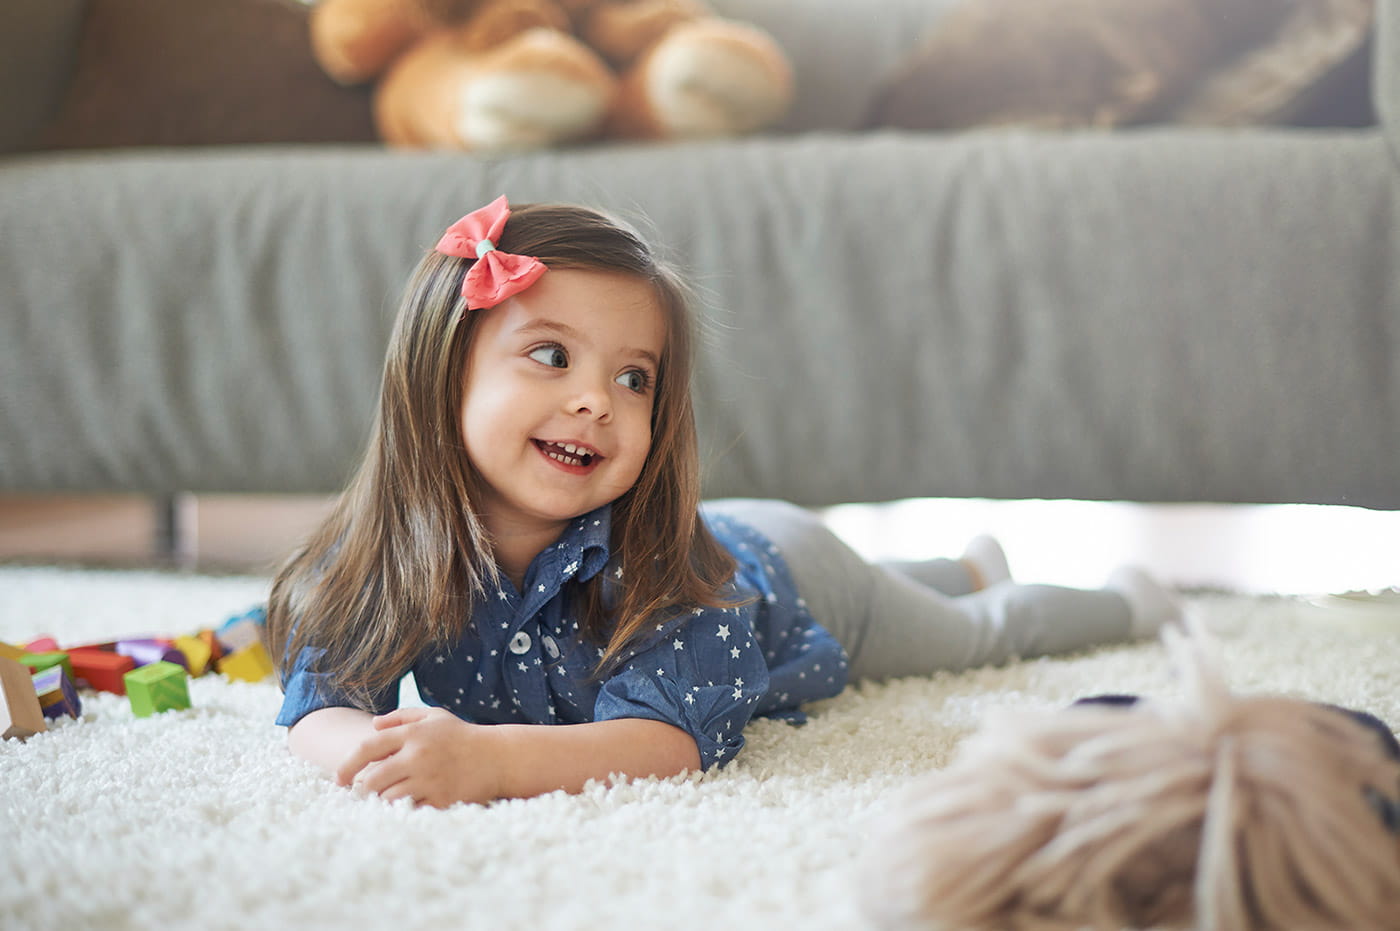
x=370, y=750
x=381, y=778
x=401, y=716
x=400, y=789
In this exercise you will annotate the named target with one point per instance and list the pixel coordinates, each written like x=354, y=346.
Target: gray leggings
x=908, y=619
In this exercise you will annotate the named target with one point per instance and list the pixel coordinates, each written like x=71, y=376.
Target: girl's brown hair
x=395, y=568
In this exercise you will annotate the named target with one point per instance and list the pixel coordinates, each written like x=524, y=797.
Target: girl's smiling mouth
x=570, y=455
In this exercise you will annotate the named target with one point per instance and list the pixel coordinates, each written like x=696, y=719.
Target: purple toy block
x=57, y=693
x=150, y=650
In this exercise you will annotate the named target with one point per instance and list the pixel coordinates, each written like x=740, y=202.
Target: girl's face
x=561, y=381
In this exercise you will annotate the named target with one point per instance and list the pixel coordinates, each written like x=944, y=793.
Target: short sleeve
x=305, y=691
x=707, y=677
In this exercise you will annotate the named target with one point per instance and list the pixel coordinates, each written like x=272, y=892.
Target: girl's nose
x=592, y=400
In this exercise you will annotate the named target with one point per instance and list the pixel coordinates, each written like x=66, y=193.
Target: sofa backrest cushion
x=38, y=39
x=841, y=50
x=1386, y=79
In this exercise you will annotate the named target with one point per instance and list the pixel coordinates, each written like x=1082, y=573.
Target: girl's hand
x=426, y=754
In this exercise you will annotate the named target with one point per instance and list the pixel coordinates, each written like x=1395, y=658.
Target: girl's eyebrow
x=557, y=328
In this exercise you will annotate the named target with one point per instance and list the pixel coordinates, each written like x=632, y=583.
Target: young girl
x=525, y=536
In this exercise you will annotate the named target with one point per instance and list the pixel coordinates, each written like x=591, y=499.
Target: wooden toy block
x=250, y=664
x=38, y=662
x=57, y=693
x=196, y=653
x=44, y=644
x=102, y=670
x=21, y=715
x=10, y=651
x=239, y=634
x=159, y=686
x=149, y=650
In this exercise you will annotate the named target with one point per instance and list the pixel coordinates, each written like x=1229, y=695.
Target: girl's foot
x=985, y=561
x=1152, y=605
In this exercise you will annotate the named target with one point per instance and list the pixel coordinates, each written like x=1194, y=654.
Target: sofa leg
x=176, y=529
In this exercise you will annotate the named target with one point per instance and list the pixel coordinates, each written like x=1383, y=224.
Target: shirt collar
x=582, y=549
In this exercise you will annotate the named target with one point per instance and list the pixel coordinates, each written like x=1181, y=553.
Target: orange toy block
x=211, y=640
x=21, y=715
x=250, y=664
x=102, y=670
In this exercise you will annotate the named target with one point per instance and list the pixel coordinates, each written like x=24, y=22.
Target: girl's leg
x=831, y=578
x=914, y=630
x=891, y=625
x=982, y=565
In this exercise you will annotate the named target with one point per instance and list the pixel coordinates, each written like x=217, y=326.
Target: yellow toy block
x=10, y=651
x=197, y=654
x=250, y=664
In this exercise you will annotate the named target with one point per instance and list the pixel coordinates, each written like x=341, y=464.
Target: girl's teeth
x=568, y=453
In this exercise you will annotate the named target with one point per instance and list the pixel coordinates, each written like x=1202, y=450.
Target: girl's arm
x=435, y=758
x=328, y=735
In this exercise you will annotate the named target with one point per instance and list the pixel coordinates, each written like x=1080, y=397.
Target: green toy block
x=38, y=662
x=160, y=686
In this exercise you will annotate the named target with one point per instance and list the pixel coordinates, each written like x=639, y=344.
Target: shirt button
x=520, y=643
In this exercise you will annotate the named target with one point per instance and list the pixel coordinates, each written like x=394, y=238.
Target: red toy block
x=102, y=670
x=106, y=646
x=21, y=715
x=44, y=644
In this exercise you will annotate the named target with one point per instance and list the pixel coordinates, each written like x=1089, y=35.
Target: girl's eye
x=635, y=380
x=552, y=356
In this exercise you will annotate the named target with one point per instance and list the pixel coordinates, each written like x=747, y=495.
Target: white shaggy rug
x=201, y=819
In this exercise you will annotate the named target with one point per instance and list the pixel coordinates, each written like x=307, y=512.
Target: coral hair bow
x=495, y=275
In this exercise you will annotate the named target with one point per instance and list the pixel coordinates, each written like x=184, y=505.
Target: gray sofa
x=1161, y=314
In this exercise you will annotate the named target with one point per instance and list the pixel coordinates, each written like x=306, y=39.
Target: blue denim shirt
x=708, y=672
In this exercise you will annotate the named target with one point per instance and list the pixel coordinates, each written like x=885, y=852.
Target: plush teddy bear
x=487, y=75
